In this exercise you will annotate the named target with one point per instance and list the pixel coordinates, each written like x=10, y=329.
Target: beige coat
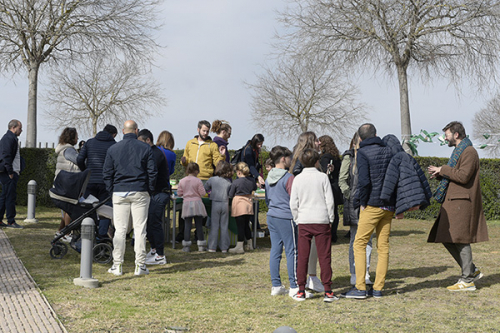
x=461, y=218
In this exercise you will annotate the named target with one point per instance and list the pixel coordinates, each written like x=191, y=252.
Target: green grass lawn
x=212, y=292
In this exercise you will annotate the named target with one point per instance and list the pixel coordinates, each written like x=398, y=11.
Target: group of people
x=378, y=180
x=375, y=180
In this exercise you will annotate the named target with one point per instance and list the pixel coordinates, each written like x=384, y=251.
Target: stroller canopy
x=70, y=186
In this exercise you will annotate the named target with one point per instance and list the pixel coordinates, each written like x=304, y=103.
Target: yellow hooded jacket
x=205, y=154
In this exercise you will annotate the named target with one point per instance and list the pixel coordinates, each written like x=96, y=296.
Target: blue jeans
x=8, y=196
x=283, y=233
x=156, y=212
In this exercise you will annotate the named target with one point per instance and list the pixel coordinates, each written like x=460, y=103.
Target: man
x=159, y=200
x=204, y=151
x=92, y=156
x=375, y=214
x=130, y=174
x=10, y=167
x=461, y=219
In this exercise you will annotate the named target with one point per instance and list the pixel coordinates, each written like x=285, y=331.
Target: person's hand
x=11, y=176
x=400, y=216
x=363, y=207
x=434, y=171
x=222, y=150
x=183, y=159
x=261, y=180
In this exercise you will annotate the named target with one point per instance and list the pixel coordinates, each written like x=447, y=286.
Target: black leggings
x=243, y=227
x=198, y=221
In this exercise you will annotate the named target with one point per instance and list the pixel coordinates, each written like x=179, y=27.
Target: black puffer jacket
x=404, y=180
x=93, y=154
x=372, y=160
x=351, y=214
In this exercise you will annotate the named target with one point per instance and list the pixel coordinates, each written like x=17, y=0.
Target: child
x=242, y=208
x=219, y=187
x=191, y=190
x=269, y=164
x=311, y=203
x=282, y=228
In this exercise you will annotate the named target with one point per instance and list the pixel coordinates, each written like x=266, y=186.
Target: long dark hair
x=327, y=145
x=256, y=139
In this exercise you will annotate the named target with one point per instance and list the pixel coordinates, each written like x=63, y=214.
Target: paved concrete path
x=22, y=307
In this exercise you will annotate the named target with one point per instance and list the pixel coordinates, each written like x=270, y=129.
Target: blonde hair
x=166, y=140
x=243, y=168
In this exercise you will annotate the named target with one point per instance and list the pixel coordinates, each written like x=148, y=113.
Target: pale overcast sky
x=212, y=47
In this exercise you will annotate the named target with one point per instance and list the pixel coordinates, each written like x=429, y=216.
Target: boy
x=282, y=228
x=311, y=203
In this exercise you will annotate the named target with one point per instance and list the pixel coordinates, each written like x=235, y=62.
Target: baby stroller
x=68, y=188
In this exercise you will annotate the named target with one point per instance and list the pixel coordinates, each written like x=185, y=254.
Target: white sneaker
x=141, y=270
x=367, y=279
x=293, y=291
x=156, y=260
x=67, y=238
x=151, y=254
x=116, y=269
x=275, y=291
x=315, y=284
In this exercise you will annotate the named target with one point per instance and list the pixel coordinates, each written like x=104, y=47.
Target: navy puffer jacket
x=93, y=154
x=404, y=180
x=372, y=160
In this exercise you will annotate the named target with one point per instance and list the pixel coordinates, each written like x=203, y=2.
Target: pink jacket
x=191, y=189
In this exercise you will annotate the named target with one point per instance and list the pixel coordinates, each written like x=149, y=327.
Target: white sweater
x=311, y=200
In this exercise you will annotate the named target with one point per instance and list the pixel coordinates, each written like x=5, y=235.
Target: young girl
x=242, y=208
x=219, y=187
x=191, y=190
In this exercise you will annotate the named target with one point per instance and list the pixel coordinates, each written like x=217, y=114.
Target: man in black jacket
x=159, y=199
x=130, y=174
x=10, y=167
x=375, y=214
x=92, y=156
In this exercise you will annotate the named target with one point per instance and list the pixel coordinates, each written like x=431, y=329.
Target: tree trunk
x=94, y=126
x=32, y=102
x=404, y=106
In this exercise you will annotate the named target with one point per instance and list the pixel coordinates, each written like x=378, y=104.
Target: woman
x=166, y=144
x=348, y=182
x=66, y=160
x=223, y=131
x=250, y=156
x=330, y=164
x=308, y=140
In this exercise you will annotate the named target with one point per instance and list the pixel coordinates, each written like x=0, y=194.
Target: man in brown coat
x=461, y=219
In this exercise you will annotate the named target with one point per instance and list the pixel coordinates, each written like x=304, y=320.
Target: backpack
x=238, y=155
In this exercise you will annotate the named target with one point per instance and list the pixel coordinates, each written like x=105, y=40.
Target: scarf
x=440, y=193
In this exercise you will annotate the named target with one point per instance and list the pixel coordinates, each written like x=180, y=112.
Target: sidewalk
x=22, y=307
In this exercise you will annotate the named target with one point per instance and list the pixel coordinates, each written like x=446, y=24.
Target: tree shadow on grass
x=402, y=233
x=392, y=286
x=198, y=263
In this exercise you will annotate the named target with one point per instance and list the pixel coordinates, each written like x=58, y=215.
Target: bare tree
x=33, y=32
x=301, y=94
x=450, y=38
x=486, y=126
x=102, y=90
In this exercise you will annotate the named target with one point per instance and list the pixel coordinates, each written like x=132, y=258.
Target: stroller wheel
x=58, y=250
x=103, y=253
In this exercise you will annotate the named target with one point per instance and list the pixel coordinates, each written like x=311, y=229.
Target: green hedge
x=40, y=166
x=490, y=188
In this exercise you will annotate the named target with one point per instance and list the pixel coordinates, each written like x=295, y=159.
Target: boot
x=186, y=246
x=202, y=245
x=238, y=248
x=249, y=245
